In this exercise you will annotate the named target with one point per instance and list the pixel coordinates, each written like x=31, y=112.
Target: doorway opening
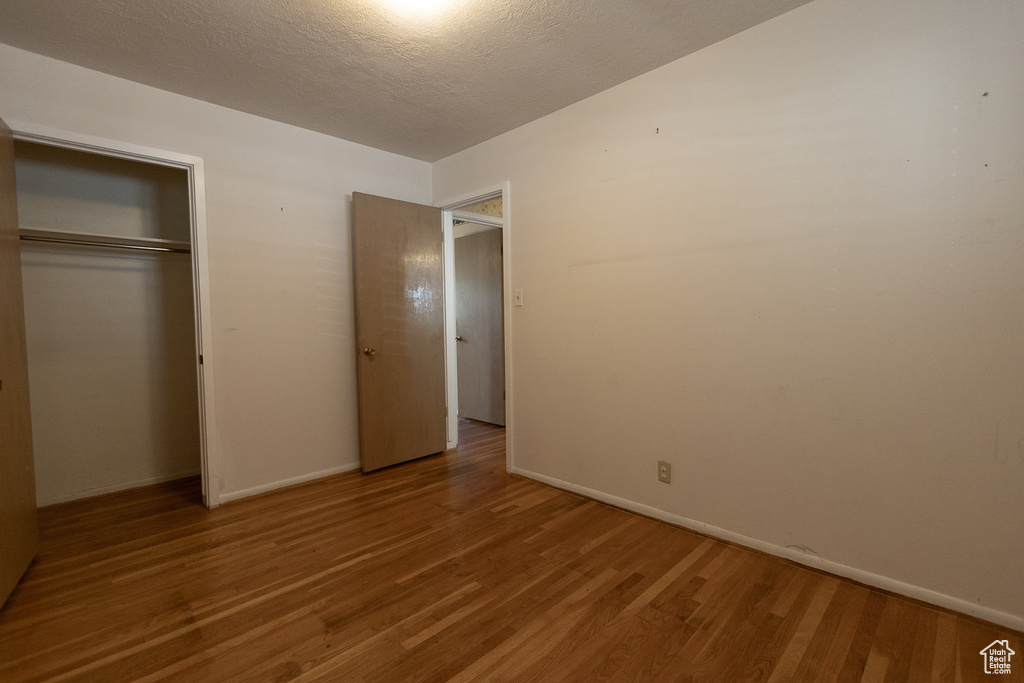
x=477, y=308
x=116, y=290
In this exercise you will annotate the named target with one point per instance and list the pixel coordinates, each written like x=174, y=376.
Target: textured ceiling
x=424, y=87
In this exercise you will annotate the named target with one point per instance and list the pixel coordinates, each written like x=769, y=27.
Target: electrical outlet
x=665, y=471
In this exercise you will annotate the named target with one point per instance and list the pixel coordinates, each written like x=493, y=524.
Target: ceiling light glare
x=417, y=8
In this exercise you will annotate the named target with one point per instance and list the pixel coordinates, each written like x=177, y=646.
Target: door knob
x=458, y=339
x=369, y=352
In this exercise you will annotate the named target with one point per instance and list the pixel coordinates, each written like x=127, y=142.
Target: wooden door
x=19, y=531
x=478, y=323
x=399, y=294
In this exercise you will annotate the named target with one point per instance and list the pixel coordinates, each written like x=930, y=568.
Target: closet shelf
x=106, y=241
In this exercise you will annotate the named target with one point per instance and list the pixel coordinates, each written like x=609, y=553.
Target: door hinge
x=200, y=359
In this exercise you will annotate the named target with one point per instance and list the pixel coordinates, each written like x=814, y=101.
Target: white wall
x=791, y=265
x=277, y=200
x=111, y=334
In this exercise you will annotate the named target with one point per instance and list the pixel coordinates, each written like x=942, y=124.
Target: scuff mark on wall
x=801, y=548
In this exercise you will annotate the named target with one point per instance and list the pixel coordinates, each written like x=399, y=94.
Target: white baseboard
x=263, y=488
x=43, y=501
x=875, y=580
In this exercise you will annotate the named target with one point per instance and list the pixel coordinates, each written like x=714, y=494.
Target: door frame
x=193, y=166
x=449, y=206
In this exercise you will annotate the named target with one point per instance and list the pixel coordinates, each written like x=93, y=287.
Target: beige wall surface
x=112, y=370
x=791, y=265
x=62, y=189
x=277, y=201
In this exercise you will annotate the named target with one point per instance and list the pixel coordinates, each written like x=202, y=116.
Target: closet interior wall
x=111, y=331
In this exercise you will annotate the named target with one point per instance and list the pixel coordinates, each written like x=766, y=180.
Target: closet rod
x=106, y=241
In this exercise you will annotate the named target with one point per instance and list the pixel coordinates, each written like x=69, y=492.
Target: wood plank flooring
x=445, y=569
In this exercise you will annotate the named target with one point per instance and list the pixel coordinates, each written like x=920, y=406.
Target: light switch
x=519, y=297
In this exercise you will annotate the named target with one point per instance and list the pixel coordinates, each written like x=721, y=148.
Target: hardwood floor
x=445, y=569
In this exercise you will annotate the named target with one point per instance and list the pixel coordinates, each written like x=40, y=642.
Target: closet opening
x=111, y=282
